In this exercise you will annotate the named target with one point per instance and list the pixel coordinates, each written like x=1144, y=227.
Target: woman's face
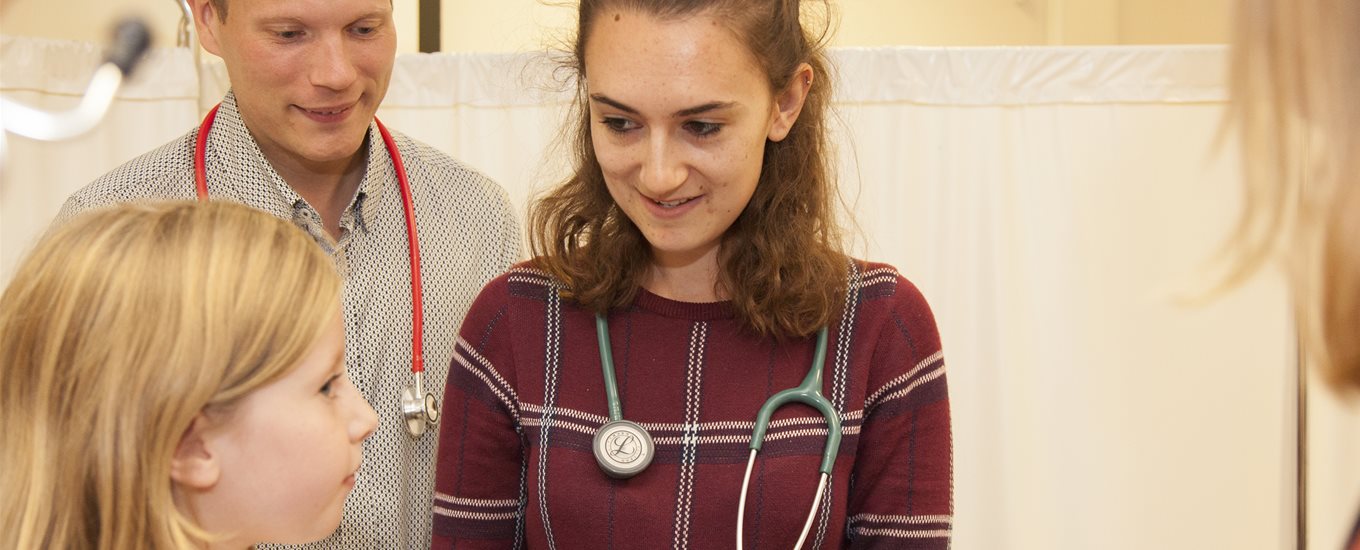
x=680, y=114
x=288, y=452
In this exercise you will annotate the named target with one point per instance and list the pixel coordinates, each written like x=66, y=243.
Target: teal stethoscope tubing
x=611, y=388
x=808, y=393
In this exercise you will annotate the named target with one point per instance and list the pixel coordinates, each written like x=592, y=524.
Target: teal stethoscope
x=623, y=448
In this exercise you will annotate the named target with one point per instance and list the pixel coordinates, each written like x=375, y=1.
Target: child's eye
x=618, y=125
x=702, y=129
x=329, y=387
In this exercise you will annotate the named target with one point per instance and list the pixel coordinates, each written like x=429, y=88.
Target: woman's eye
x=618, y=125
x=702, y=129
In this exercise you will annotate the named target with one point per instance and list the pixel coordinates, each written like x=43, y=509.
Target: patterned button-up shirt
x=468, y=235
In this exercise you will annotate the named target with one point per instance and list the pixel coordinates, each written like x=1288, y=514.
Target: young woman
x=606, y=393
x=171, y=376
x=1296, y=76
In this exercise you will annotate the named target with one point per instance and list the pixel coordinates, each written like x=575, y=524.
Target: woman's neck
x=685, y=279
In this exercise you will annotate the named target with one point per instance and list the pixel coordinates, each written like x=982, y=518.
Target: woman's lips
x=672, y=208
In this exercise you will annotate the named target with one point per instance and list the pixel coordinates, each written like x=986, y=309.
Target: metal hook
x=185, y=37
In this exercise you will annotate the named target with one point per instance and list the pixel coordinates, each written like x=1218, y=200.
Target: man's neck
x=329, y=187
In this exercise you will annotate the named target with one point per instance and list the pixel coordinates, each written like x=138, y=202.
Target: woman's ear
x=788, y=104
x=194, y=464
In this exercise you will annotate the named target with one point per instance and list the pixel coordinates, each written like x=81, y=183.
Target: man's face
x=308, y=74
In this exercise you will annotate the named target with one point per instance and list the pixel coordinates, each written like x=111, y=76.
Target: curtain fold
x=1049, y=202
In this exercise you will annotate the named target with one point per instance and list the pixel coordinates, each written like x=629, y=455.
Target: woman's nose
x=663, y=170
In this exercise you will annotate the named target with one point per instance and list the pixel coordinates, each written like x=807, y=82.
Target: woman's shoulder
x=524, y=280
x=521, y=292
x=876, y=281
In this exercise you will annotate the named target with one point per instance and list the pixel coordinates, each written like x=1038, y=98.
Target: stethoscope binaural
x=418, y=407
x=624, y=448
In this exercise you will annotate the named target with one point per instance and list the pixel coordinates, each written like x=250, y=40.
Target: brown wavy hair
x=781, y=262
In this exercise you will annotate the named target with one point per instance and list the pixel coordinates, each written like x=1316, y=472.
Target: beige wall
x=514, y=25
x=87, y=19
x=90, y=20
x=1174, y=21
x=518, y=25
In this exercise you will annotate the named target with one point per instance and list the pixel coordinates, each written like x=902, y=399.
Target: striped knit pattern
x=552, y=360
x=689, y=440
x=901, y=527
x=525, y=383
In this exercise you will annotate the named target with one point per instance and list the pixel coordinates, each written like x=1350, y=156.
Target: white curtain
x=1050, y=202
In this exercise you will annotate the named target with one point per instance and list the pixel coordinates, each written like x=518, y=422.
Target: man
x=296, y=137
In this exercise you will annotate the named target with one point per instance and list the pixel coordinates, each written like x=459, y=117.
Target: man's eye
x=289, y=35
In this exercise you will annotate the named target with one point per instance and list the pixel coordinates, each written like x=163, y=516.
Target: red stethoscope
x=420, y=413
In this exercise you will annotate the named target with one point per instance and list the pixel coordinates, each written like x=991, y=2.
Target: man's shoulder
x=165, y=172
x=445, y=175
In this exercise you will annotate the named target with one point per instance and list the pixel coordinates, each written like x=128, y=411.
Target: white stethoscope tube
x=130, y=41
x=741, y=506
x=38, y=124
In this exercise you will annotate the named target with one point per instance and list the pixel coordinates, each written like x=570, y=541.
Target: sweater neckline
x=693, y=311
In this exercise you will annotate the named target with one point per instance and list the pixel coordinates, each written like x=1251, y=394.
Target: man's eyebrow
x=280, y=19
x=293, y=19
x=373, y=15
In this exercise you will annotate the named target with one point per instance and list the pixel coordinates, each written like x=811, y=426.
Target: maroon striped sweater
x=525, y=395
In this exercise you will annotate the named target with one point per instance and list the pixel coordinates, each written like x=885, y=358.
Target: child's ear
x=788, y=104
x=194, y=465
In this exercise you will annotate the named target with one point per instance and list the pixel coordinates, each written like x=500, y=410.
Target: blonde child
x=171, y=376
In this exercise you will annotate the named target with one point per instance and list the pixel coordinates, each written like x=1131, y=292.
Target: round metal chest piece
x=623, y=448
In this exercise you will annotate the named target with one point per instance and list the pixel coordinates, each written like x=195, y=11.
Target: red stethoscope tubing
x=417, y=309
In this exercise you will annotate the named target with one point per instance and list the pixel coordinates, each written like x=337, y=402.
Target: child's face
x=289, y=451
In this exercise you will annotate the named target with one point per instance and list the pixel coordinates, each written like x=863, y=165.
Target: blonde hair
x=1296, y=77
x=115, y=333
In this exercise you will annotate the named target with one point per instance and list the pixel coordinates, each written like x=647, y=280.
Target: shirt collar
x=236, y=164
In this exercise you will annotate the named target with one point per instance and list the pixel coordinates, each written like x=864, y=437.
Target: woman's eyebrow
x=688, y=111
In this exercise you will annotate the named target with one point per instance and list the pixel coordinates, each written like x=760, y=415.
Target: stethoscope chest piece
x=623, y=448
x=418, y=407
